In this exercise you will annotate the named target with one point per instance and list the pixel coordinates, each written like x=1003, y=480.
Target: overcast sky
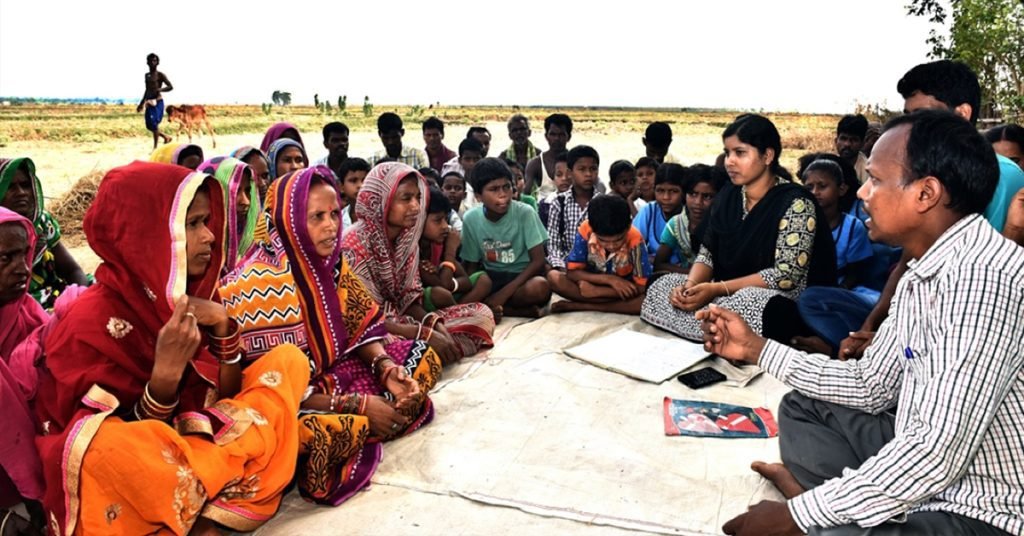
x=809, y=56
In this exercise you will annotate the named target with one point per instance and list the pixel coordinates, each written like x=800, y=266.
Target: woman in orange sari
x=149, y=423
x=365, y=388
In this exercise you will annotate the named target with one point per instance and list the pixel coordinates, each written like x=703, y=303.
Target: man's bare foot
x=777, y=474
x=588, y=289
x=167, y=139
x=812, y=344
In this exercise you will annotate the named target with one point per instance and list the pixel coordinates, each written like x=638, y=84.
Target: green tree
x=987, y=35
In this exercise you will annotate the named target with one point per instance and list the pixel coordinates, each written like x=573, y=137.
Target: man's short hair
x=561, y=120
x=943, y=145
x=334, y=127
x=518, y=117
x=951, y=82
x=581, y=151
x=470, y=144
x=352, y=164
x=389, y=122
x=609, y=215
x=477, y=130
x=853, y=125
x=433, y=123
x=152, y=55
x=488, y=170
x=658, y=134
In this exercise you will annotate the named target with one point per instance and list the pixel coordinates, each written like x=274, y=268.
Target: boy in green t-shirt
x=507, y=238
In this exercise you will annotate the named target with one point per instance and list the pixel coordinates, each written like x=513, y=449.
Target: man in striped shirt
x=925, y=434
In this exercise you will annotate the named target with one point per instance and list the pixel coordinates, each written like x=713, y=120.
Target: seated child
x=445, y=282
x=470, y=152
x=569, y=208
x=432, y=176
x=680, y=238
x=562, y=184
x=646, y=168
x=506, y=238
x=351, y=174
x=824, y=179
x=608, y=266
x=622, y=176
x=668, y=192
x=453, y=185
x=520, y=180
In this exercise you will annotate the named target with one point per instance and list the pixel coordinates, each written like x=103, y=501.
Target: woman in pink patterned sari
x=383, y=250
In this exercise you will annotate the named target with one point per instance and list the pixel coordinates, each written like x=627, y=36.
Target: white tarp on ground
x=563, y=446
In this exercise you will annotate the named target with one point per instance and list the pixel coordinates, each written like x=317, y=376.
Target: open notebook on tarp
x=638, y=355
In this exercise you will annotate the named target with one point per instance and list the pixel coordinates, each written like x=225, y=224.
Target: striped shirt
x=410, y=156
x=951, y=356
x=564, y=219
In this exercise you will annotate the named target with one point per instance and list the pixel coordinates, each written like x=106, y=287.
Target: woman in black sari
x=761, y=246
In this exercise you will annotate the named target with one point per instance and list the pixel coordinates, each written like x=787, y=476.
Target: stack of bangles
x=455, y=281
x=148, y=408
x=382, y=366
x=431, y=319
x=353, y=404
x=227, y=350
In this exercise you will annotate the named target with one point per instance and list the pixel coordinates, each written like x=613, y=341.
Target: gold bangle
x=727, y=293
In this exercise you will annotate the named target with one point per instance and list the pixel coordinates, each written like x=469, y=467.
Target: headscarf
x=275, y=150
x=108, y=337
x=19, y=317
x=172, y=153
x=230, y=172
x=38, y=218
x=389, y=270
x=244, y=152
x=286, y=291
x=275, y=132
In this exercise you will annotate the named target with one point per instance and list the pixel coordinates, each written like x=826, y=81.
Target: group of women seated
x=226, y=348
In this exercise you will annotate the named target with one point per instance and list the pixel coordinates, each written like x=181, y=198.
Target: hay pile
x=70, y=208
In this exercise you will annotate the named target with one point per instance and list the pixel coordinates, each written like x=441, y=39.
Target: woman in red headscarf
x=150, y=424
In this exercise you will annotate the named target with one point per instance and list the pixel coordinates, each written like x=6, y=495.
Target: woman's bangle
x=235, y=361
x=455, y=285
x=419, y=331
x=449, y=265
x=726, y=287
x=377, y=364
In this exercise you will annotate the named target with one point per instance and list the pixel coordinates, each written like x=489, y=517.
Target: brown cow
x=191, y=116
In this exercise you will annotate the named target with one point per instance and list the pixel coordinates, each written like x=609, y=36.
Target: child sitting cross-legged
x=445, y=282
x=506, y=238
x=608, y=266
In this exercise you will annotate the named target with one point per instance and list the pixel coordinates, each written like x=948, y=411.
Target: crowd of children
x=341, y=287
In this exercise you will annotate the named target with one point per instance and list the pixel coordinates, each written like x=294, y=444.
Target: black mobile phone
x=701, y=378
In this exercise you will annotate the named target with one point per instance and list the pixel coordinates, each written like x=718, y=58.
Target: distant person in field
x=336, y=143
x=433, y=136
x=540, y=171
x=152, y=99
x=53, y=267
x=608, y=266
x=850, y=134
x=391, y=131
x=522, y=149
x=278, y=131
x=657, y=139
